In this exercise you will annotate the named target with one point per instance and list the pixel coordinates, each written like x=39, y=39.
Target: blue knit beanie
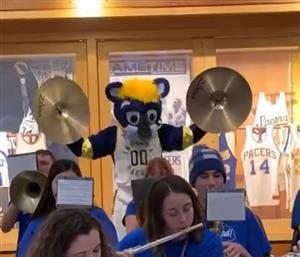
x=204, y=159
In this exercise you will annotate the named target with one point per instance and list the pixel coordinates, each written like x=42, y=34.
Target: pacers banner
x=173, y=66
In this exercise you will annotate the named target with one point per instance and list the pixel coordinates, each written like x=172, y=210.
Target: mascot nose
x=144, y=130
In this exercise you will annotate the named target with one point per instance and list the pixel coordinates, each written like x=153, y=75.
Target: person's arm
x=296, y=248
x=28, y=236
x=257, y=242
x=130, y=217
x=125, y=253
x=232, y=249
x=9, y=218
x=131, y=223
x=132, y=239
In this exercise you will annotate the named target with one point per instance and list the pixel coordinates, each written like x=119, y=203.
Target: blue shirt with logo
x=209, y=246
x=247, y=233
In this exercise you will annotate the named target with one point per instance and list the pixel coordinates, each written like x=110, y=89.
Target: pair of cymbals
x=219, y=100
x=61, y=110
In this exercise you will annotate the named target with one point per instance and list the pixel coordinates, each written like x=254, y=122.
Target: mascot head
x=137, y=106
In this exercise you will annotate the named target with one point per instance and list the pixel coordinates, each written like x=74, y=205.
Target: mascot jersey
x=129, y=164
x=138, y=137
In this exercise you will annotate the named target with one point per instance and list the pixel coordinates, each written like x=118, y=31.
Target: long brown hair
x=165, y=169
x=47, y=202
x=155, y=224
x=61, y=228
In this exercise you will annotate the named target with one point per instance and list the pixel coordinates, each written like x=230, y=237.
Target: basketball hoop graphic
x=41, y=71
x=60, y=67
x=46, y=70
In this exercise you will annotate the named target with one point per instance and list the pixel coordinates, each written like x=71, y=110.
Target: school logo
x=228, y=233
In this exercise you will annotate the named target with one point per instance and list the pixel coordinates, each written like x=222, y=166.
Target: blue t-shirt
x=247, y=233
x=209, y=246
x=296, y=212
x=132, y=209
x=106, y=225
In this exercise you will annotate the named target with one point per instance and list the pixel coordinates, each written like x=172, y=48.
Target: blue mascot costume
x=138, y=137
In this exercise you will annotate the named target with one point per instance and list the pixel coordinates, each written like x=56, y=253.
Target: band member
x=240, y=238
x=72, y=232
x=157, y=167
x=47, y=204
x=44, y=159
x=172, y=206
x=296, y=220
x=13, y=215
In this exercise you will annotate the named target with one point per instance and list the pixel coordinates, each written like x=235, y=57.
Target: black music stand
x=141, y=188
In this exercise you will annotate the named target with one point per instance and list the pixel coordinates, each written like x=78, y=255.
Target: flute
x=141, y=248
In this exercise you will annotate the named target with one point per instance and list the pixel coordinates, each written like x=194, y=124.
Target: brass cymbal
x=61, y=110
x=219, y=100
x=26, y=190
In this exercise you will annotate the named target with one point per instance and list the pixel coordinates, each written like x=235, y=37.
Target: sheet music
x=225, y=205
x=20, y=162
x=74, y=192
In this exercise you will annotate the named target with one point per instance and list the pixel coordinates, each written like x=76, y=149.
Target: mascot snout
x=144, y=130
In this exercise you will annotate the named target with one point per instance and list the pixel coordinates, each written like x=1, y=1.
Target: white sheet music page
x=226, y=205
x=20, y=162
x=74, y=192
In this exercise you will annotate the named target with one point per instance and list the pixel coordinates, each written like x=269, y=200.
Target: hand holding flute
x=139, y=248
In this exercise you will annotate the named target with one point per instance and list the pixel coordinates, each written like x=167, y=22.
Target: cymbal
x=61, y=110
x=219, y=100
x=26, y=190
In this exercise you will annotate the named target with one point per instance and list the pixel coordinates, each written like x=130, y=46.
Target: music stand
x=141, y=188
x=17, y=163
x=225, y=205
x=75, y=192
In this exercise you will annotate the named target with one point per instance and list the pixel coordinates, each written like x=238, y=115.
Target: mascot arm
x=197, y=133
x=178, y=138
x=96, y=146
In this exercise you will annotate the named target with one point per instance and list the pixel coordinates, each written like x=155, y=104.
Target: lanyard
x=183, y=249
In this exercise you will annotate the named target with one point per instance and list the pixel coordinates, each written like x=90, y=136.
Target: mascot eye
x=152, y=116
x=133, y=117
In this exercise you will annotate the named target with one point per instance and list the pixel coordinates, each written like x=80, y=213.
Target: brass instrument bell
x=26, y=190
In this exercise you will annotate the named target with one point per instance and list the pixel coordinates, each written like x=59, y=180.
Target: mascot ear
x=163, y=86
x=112, y=91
